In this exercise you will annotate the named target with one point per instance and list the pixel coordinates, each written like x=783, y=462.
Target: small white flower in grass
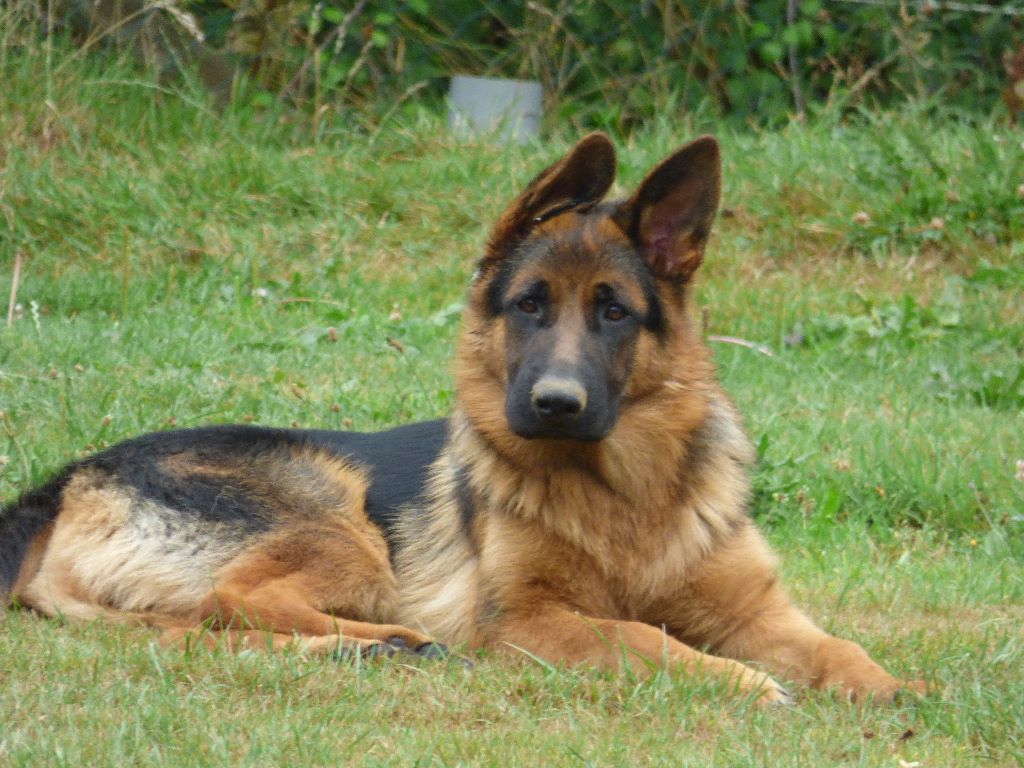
x=260, y=293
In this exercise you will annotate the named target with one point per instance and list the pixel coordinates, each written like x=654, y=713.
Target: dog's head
x=577, y=309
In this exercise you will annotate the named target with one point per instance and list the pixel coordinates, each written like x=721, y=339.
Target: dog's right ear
x=578, y=180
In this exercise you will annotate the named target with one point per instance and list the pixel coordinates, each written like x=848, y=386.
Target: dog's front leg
x=735, y=605
x=559, y=635
x=781, y=637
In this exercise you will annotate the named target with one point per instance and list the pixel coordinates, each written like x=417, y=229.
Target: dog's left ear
x=578, y=180
x=669, y=217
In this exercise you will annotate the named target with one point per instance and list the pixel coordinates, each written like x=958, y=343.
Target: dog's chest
x=634, y=546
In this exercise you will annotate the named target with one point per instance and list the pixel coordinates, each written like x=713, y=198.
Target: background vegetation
x=606, y=63
x=184, y=264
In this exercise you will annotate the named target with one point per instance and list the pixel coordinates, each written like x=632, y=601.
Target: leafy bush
x=616, y=62
x=612, y=63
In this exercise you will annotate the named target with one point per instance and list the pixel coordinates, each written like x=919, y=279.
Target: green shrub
x=609, y=63
x=618, y=62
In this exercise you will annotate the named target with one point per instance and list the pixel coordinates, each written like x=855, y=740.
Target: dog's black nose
x=558, y=399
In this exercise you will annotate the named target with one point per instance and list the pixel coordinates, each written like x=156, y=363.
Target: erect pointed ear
x=669, y=217
x=578, y=180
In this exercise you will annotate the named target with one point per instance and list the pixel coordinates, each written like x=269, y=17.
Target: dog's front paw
x=849, y=671
x=765, y=691
x=882, y=689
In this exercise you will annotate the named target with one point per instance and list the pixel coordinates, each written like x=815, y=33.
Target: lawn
x=185, y=267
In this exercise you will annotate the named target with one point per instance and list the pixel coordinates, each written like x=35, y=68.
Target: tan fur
x=438, y=566
x=93, y=560
x=327, y=575
x=33, y=559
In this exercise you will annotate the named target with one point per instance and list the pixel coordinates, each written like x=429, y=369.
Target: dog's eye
x=529, y=306
x=615, y=312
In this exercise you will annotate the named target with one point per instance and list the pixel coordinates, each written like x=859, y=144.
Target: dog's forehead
x=580, y=248
x=572, y=254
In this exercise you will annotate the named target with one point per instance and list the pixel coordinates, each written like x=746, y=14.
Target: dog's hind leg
x=62, y=601
x=287, y=605
x=325, y=580
x=55, y=590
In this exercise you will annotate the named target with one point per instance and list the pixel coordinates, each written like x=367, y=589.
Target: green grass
x=185, y=267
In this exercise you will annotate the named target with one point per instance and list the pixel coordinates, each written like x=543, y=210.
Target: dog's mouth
x=561, y=434
x=530, y=422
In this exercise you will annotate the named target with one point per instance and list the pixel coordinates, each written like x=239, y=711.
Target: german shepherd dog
x=586, y=501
